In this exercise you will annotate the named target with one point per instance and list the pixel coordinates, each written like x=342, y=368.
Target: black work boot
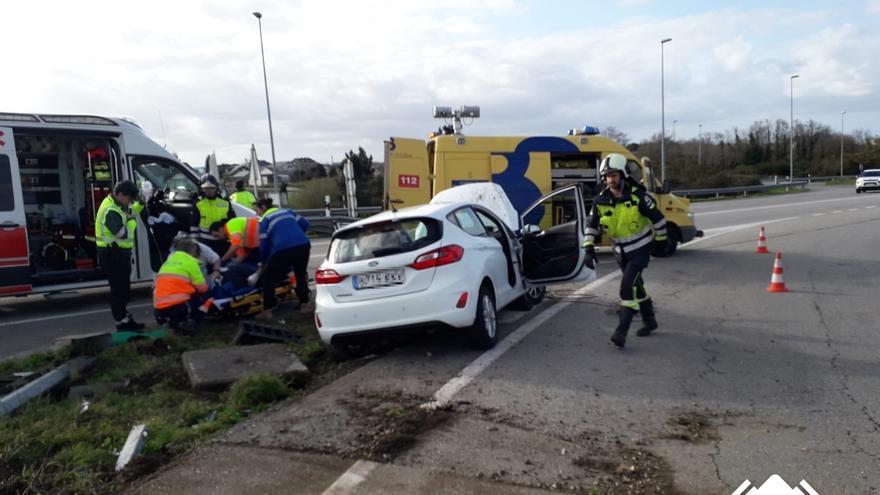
x=649, y=322
x=625, y=317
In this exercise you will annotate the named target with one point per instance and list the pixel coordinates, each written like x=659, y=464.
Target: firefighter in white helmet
x=627, y=214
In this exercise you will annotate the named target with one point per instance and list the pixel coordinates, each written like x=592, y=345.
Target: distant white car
x=453, y=262
x=868, y=180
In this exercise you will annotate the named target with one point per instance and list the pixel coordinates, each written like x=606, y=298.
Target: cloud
x=872, y=6
x=349, y=74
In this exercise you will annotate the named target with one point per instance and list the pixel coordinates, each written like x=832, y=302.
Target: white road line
x=852, y=209
x=869, y=207
x=837, y=211
x=752, y=208
x=471, y=371
x=818, y=214
x=68, y=315
x=356, y=474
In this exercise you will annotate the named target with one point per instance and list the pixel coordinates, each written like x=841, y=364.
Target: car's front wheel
x=858, y=191
x=484, y=331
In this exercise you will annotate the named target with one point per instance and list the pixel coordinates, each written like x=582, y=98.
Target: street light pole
x=700, y=147
x=662, y=115
x=841, y=142
x=791, y=132
x=674, y=123
x=259, y=17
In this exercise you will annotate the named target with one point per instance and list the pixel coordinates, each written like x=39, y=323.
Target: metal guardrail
x=736, y=191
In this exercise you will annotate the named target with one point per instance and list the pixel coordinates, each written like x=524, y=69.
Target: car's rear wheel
x=674, y=238
x=533, y=297
x=484, y=331
x=341, y=352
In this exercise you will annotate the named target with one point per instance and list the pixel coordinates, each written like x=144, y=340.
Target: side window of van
x=164, y=174
x=634, y=170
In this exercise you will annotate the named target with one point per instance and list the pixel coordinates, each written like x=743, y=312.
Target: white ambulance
x=54, y=172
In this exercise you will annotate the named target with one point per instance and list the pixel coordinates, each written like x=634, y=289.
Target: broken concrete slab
x=87, y=344
x=43, y=384
x=218, y=368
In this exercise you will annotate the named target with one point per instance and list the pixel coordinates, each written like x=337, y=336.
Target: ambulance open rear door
x=407, y=173
x=14, y=259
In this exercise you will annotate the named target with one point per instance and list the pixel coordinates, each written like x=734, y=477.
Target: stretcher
x=247, y=301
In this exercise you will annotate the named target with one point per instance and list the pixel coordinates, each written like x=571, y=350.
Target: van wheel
x=484, y=331
x=533, y=297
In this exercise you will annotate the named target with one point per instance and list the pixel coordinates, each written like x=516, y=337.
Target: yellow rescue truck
x=525, y=167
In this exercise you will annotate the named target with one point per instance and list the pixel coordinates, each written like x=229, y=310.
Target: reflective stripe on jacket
x=209, y=211
x=244, y=232
x=628, y=220
x=104, y=238
x=180, y=277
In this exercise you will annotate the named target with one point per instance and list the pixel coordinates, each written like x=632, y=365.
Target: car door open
x=553, y=232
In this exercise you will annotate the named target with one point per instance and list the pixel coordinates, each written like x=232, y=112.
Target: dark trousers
x=179, y=313
x=116, y=264
x=296, y=258
x=632, y=285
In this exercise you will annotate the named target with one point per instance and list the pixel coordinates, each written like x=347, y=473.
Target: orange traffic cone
x=776, y=282
x=762, y=242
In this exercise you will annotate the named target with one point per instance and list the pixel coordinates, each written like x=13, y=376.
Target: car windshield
x=380, y=239
x=871, y=173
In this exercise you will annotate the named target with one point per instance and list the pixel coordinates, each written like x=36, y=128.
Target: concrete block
x=137, y=437
x=218, y=368
x=43, y=384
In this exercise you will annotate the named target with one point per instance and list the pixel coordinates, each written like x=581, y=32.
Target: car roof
x=428, y=210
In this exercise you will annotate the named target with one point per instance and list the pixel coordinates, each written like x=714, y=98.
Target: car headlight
x=690, y=215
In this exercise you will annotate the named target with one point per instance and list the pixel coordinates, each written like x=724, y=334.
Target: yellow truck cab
x=525, y=167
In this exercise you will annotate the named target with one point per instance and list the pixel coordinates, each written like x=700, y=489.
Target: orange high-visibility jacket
x=179, y=278
x=244, y=233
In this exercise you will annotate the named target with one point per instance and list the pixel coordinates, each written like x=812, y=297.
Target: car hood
x=486, y=194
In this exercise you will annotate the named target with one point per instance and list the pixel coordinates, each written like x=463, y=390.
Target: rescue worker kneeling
x=630, y=217
x=180, y=284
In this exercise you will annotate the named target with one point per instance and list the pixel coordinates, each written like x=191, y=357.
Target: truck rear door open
x=407, y=176
x=14, y=259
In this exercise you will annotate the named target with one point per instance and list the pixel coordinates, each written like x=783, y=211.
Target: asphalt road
x=36, y=322
x=738, y=383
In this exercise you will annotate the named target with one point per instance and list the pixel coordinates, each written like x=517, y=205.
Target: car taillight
x=439, y=257
x=317, y=320
x=328, y=276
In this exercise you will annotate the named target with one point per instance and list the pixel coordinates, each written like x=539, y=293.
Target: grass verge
x=61, y=445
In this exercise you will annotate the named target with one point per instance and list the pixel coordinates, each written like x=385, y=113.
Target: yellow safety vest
x=103, y=237
x=210, y=211
x=244, y=198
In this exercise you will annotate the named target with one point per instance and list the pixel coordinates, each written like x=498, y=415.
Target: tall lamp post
x=259, y=17
x=841, y=142
x=662, y=115
x=674, y=123
x=791, y=132
x=700, y=147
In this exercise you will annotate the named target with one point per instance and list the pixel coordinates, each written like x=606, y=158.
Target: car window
x=384, y=239
x=493, y=228
x=465, y=219
x=634, y=170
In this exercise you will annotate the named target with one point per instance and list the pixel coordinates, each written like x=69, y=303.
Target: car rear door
x=14, y=259
x=552, y=248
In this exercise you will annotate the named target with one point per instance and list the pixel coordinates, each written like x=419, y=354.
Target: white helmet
x=613, y=162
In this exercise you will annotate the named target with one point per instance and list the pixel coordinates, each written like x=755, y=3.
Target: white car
x=868, y=180
x=453, y=262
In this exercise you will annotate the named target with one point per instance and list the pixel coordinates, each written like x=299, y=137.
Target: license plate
x=378, y=279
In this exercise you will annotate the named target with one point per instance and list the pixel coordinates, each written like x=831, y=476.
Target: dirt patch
x=390, y=423
x=629, y=471
x=693, y=427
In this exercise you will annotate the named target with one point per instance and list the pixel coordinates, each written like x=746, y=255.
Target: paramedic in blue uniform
x=284, y=245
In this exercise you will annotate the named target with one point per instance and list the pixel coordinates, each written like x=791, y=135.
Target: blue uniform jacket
x=281, y=229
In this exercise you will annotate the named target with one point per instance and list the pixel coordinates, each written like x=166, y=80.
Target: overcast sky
x=344, y=74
